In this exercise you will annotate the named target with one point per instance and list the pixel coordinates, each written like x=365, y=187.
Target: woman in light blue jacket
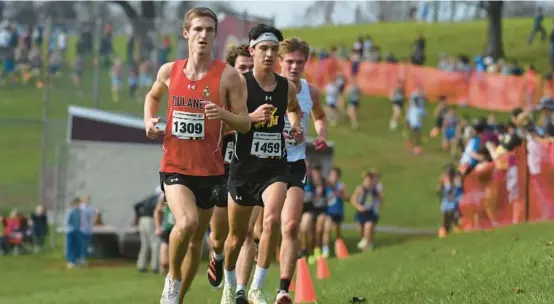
x=73, y=235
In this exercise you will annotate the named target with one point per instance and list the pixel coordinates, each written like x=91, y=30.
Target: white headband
x=267, y=36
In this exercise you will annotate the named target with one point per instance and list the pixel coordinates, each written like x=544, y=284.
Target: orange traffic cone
x=291, y=286
x=322, y=269
x=305, y=292
x=340, y=249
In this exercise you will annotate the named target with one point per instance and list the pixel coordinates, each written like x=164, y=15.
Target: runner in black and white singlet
x=259, y=174
x=294, y=54
x=238, y=57
x=367, y=200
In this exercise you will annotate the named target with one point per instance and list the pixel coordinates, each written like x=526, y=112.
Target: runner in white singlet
x=332, y=92
x=294, y=53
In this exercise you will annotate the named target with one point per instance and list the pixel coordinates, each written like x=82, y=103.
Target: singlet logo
x=268, y=98
x=191, y=87
x=206, y=91
x=273, y=120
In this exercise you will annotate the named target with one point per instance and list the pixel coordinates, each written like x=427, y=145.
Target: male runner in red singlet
x=200, y=88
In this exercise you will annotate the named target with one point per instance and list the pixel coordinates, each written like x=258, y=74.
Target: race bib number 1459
x=188, y=125
x=266, y=145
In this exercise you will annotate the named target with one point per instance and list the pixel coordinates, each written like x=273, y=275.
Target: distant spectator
x=367, y=45
x=374, y=54
x=14, y=36
x=506, y=68
x=87, y=218
x=546, y=109
x=537, y=27
x=517, y=70
x=414, y=117
x=3, y=237
x=491, y=122
x=73, y=236
x=443, y=62
x=4, y=39
x=98, y=221
x=418, y=52
x=552, y=47
x=358, y=46
x=468, y=160
x=39, y=224
x=390, y=58
x=342, y=52
x=106, y=47
x=15, y=232
x=62, y=44
x=149, y=241
x=37, y=35
x=165, y=50
x=131, y=44
x=479, y=64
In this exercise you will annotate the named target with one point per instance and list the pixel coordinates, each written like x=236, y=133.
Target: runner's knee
x=234, y=241
x=186, y=224
x=290, y=228
x=270, y=222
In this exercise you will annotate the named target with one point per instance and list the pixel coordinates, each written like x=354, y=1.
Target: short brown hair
x=235, y=52
x=292, y=45
x=198, y=12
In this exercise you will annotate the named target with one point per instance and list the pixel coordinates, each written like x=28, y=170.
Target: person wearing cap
x=149, y=241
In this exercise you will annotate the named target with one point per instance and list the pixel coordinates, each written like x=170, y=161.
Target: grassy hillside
x=468, y=38
x=505, y=266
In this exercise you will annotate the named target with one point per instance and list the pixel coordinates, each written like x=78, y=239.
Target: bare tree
x=495, y=46
x=321, y=8
x=142, y=20
x=24, y=12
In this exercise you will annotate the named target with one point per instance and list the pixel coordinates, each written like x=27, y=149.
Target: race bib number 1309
x=188, y=125
x=266, y=145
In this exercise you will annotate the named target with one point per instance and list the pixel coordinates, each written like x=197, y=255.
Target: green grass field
x=510, y=265
x=451, y=38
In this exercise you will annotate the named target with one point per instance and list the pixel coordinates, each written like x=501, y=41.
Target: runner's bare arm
x=294, y=112
x=355, y=198
x=158, y=212
x=235, y=86
x=318, y=115
x=160, y=86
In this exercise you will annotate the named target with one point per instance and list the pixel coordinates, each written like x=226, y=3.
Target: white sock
x=240, y=287
x=259, y=278
x=230, y=277
x=219, y=256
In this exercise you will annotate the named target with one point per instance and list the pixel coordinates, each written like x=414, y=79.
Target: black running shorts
x=203, y=187
x=297, y=174
x=249, y=193
x=220, y=194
